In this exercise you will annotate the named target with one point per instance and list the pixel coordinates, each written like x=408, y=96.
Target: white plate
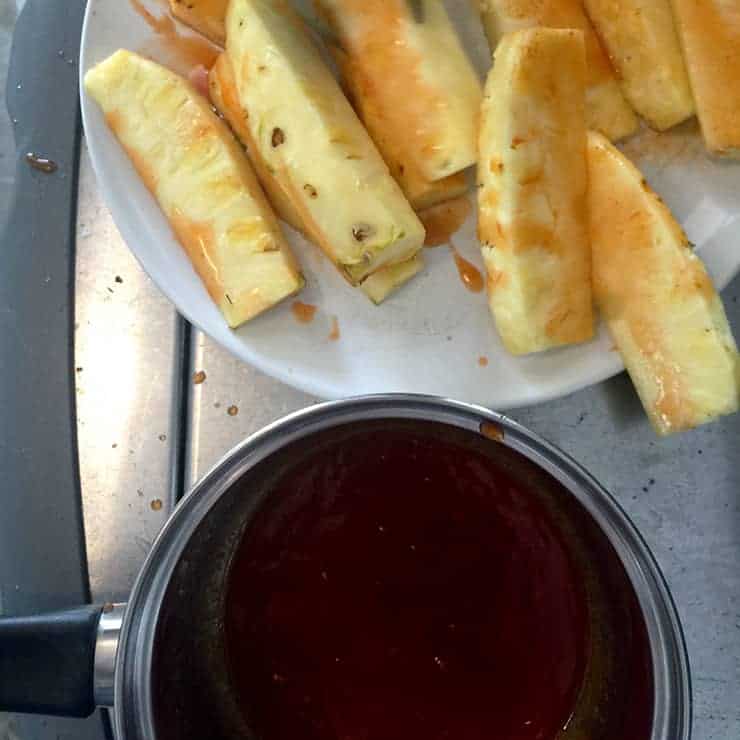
x=429, y=337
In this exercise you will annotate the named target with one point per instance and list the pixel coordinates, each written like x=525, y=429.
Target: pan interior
x=195, y=692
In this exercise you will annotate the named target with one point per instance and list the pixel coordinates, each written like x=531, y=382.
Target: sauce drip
x=469, y=273
x=402, y=587
x=483, y=361
x=162, y=24
x=42, y=164
x=334, y=333
x=443, y=220
x=303, y=312
x=198, y=78
x=171, y=47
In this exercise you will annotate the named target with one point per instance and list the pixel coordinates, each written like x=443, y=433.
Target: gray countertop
x=146, y=432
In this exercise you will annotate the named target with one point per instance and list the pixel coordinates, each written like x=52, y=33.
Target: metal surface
x=106, y=649
x=232, y=402
x=129, y=354
x=133, y=713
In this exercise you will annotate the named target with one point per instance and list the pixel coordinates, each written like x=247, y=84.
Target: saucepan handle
x=60, y=663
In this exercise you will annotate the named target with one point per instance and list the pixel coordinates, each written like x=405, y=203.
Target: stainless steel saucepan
x=161, y=655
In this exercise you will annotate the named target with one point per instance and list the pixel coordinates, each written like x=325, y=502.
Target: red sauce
x=171, y=47
x=403, y=587
x=334, y=333
x=303, y=312
x=469, y=273
x=491, y=430
x=162, y=24
x=443, y=220
x=198, y=78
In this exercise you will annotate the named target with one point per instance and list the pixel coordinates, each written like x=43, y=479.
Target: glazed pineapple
x=204, y=184
x=394, y=144
x=657, y=299
x=225, y=98
x=710, y=33
x=606, y=108
x=413, y=80
x=640, y=37
x=310, y=139
x=205, y=16
x=532, y=218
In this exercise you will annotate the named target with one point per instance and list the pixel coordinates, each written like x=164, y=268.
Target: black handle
x=47, y=662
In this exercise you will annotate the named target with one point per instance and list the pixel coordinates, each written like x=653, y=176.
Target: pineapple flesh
x=710, y=34
x=388, y=280
x=413, y=80
x=654, y=293
x=393, y=143
x=606, y=107
x=311, y=140
x=640, y=37
x=224, y=97
x=532, y=217
x=191, y=163
x=205, y=16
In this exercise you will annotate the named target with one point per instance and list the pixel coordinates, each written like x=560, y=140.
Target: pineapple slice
x=413, y=80
x=657, y=299
x=224, y=96
x=393, y=143
x=606, y=108
x=710, y=33
x=641, y=39
x=222, y=89
x=312, y=141
x=198, y=173
x=532, y=218
x=205, y=16
x=208, y=17
x=389, y=279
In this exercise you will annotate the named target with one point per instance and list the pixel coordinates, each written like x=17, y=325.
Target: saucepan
x=160, y=661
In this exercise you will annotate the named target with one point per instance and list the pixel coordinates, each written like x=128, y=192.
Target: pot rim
x=133, y=711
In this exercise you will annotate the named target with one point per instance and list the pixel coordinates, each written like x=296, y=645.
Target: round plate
x=429, y=337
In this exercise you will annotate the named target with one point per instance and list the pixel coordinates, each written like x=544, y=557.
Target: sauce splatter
x=469, y=273
x=199, y=377
x=491, y=430
x=334, y=334
x=182, y=53
x=42, y=164
x=303, y=312
x=443, y=220
x=156, y=505
x=162, y=24
x=232, y=410
x=483, y=361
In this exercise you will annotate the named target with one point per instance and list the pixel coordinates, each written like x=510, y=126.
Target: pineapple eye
x=278, y=137
x=362, y=231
